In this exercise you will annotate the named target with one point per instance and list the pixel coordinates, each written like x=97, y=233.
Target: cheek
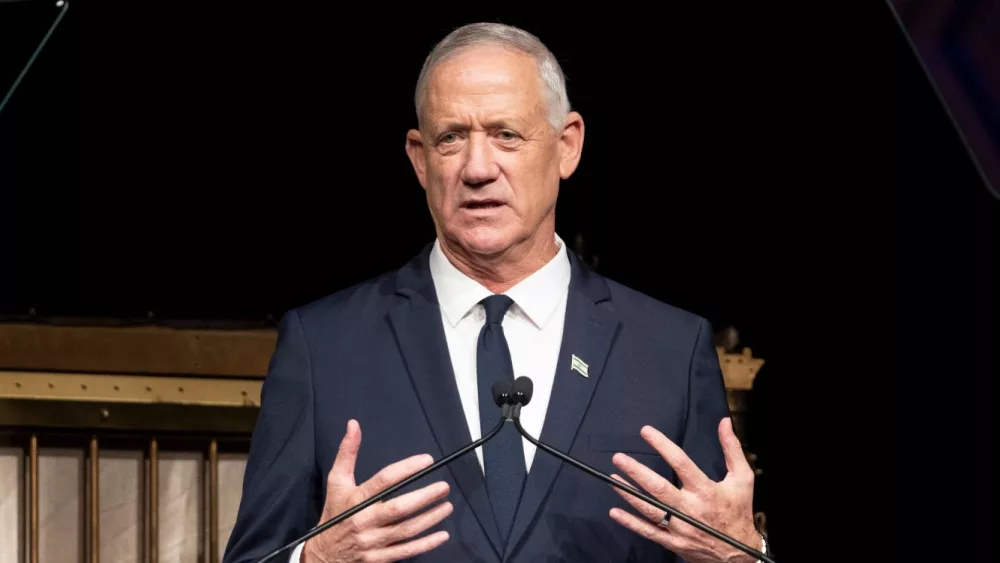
x=437, y=174
x=535, y=183
x=442, y=184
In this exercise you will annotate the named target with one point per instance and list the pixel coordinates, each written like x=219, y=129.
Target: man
x=407, y=360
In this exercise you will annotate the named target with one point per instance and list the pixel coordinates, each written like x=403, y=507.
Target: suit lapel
x=588, y=333
x=416, y=322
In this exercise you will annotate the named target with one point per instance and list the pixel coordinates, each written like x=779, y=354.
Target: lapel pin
x=579, y=366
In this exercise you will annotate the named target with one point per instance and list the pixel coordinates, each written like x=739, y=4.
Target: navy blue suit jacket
x=376, y=352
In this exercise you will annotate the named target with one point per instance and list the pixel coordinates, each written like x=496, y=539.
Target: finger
x=400, y=531
x=654, y=484
x=647, y=530
x=689, y=473
x=392, y=474
x=403, y=506
x=342, y=472
x=649, y=511
x=736, y=461
x=407, y=550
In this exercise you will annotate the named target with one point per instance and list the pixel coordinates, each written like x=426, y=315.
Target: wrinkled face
x=487, y=155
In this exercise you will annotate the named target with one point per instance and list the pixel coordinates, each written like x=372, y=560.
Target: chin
x=486, y=241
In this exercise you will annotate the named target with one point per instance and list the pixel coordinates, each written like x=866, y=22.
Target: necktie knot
x=496, y=307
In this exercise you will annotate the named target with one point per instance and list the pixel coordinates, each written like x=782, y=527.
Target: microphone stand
x=504, y=417
x=515, y=415
x=64, y=4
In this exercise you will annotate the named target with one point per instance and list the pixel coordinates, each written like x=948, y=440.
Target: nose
x=480, y=166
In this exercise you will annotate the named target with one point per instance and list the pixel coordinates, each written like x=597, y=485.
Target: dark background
x=237, y=162
x=958, y=45
x=947, y=256
x=229, y=163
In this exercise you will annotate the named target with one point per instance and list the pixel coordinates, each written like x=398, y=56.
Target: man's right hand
x=379, y=532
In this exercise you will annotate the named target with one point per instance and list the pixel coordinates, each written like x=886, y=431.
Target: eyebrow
x=499, y=123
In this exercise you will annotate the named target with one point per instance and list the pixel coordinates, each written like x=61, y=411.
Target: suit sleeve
x=280, y=499
x=707, y=406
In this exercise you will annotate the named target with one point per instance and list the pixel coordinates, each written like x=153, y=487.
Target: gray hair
x=549, y=70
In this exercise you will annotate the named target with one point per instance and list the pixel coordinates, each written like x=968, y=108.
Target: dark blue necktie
x=503, y=456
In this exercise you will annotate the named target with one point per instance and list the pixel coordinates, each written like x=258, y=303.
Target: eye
x=507, y=135
x=447, y=138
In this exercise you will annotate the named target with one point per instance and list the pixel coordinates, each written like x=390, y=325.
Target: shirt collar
x=537, y=295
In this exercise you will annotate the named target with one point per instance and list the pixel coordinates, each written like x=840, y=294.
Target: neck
x=502, y=271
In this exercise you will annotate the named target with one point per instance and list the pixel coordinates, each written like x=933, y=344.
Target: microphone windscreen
x=502, y=391
x=523, y=388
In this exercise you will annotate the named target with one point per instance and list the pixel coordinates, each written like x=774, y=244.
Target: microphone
x=502, y=396
x=523, y=388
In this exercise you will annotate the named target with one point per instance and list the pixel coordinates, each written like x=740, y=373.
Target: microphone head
x=523, y=388
x=502, y=392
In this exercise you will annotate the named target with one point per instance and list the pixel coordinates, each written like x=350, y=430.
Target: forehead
x=484, y=80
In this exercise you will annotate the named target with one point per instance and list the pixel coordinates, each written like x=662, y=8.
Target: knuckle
x=365, y=540
x=402, y=530
x=659, y=489
x=355, y=525
x=413, y=548
x=407, y=530
x=394, y=511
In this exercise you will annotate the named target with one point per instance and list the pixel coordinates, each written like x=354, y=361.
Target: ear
x=415, y=150
x=570, y=144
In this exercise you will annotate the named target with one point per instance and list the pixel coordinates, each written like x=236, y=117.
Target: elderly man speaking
x=623, y=382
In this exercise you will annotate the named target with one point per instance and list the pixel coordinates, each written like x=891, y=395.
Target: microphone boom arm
x=64, y=4
x=515, y=416
x=351, y=512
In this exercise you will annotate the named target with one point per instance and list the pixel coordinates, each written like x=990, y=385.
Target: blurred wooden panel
x=12, y=481
x=136, y=350
x=120, y=388
x=156, y=417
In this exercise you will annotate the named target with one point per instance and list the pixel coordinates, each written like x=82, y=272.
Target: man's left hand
x=726, y=506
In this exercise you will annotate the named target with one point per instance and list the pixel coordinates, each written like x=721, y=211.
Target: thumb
x=342, y=473
x=736, y=461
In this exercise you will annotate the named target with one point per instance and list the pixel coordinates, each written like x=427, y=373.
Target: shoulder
x=657, y=321
x=635, y=305
x=348, y=306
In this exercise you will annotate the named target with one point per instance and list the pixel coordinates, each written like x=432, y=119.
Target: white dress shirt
x=533, y=327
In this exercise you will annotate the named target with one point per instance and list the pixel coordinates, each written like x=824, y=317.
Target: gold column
x=213, y=501
x=95, y=524
x=33, y=500
x=152, y=507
